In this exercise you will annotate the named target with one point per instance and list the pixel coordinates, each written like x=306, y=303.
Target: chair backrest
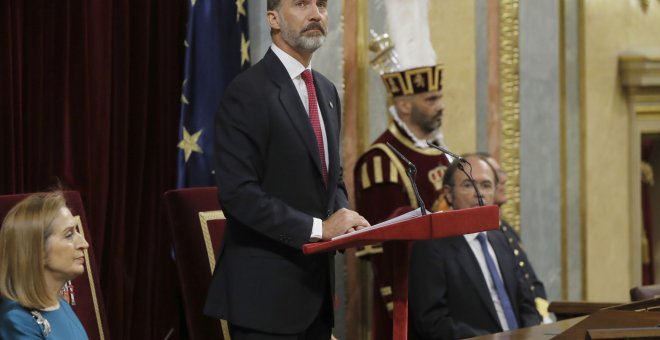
x=644, y=292
x=89, y=305
x=198, y=225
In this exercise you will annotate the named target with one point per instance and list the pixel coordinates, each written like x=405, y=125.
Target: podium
x=426, y=227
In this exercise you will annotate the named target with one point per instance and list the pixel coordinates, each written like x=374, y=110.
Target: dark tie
x=315, y=121
x=499, y=285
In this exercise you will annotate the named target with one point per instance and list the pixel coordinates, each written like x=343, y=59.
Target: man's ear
x=449, y=194
x=403, y=106
x=273, y=19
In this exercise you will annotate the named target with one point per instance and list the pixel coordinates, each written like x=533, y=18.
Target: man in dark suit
x=467, y=285
x=280, y=185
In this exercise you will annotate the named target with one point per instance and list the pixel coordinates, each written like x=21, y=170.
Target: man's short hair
x=272, y=5
x=485, y=156
x=448, y=177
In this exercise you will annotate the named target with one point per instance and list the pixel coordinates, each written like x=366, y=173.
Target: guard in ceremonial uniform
x=530, y=280
x=382, y=189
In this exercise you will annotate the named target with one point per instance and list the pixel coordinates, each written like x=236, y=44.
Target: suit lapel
x=292, y=105
x=469, y=264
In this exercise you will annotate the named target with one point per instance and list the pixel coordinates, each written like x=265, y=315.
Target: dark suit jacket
x=270, y=186
x=448, y=295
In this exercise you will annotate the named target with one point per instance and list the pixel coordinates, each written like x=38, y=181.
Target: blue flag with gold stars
x=216, y=51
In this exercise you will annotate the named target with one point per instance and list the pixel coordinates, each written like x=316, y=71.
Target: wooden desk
x=571, y=309
x=539, y=332
x=577, y=328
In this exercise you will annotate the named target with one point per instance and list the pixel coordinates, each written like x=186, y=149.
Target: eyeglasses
x=485, y=187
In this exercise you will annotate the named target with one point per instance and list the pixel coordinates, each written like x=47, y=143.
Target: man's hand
x=341, y=222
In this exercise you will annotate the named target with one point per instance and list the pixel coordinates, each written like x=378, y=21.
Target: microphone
x=453, y=155
x=459, y=165
x=411, y=170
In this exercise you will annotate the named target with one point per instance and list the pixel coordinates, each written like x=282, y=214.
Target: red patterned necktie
x=315, y=120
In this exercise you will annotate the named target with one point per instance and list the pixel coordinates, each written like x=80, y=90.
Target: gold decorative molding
x=639, y=70
x=510, y=107
x=640, y=78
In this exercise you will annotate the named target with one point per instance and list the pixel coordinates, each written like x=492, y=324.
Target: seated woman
x=40, y=250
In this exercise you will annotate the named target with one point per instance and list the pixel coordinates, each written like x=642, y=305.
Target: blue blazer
x=270, y=186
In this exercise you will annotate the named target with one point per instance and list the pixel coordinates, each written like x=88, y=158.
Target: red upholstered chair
x=197, y=226
x=89, y=305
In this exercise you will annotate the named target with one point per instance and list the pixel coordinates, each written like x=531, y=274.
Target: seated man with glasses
x=467, y=285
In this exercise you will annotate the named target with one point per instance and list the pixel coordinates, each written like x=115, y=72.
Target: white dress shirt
x=476, y=249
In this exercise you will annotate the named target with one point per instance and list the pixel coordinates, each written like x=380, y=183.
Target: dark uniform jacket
x=528, y=276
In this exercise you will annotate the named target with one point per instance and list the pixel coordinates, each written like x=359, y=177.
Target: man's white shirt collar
x=293, y=67
x=472, y=236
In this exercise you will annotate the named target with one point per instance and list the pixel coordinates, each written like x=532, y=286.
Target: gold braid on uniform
x=386, y=293
x=541, y=303
x=369, y=250
x=396, y=169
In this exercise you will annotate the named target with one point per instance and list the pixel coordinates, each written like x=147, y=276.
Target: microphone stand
x=459, y=165
x=411, y=170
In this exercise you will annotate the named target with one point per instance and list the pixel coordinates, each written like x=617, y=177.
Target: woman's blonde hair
x=23, y=237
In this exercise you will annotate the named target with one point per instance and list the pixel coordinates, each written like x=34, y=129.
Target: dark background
x=89, y=98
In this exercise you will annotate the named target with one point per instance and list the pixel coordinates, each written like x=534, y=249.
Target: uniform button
x=522, y=264
x=516, y=252
x=532, y=288
x=526, y=276
x=510, y=240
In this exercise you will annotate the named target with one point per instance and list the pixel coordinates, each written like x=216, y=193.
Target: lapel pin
x=331, y=106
